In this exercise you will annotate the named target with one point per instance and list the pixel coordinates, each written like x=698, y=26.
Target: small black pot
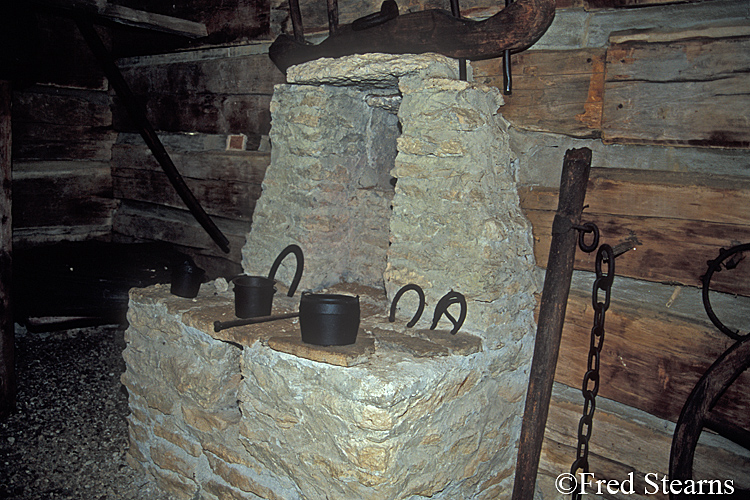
x=329, y=319
x=186, y=280
x=253, y=296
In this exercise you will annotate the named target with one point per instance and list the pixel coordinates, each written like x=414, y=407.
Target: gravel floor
x=68, y=436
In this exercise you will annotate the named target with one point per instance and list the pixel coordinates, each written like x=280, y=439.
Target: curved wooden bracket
x=515, y=28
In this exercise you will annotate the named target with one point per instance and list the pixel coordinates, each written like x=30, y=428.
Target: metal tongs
x=441, y=308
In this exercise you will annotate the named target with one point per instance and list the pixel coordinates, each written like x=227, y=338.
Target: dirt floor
x=68, y=436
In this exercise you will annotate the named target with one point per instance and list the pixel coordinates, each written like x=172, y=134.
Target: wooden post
x=575, y=176
x=7, y=358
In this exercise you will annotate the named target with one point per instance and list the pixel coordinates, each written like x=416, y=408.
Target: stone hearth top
x=215, y=302
x=372, y=70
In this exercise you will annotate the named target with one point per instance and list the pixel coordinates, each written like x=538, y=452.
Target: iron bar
x=333, y=16
x=507, y=75
x=575, y=174
x=296, y=16
x=456, y=11
x=223, y=325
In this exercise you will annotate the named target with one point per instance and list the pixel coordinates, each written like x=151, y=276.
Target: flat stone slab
x=428, y=343
x=341, y=355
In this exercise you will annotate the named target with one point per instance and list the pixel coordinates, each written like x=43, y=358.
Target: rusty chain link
x=590, y=388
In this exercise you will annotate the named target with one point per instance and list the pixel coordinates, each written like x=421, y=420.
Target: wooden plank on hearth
x=678, y=220
x=690, y=91
x=553, y=91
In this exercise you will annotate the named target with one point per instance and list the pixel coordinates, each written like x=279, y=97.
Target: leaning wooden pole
x=138, y=115
x=7, y=363
x=575, y=175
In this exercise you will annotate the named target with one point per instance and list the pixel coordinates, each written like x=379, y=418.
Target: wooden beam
x=129, y=17
x=553, y=91
x=575, y=173
x=651, y=359
x=7, y=355
x=627, y=441
x=690, y=92
x=659, y=209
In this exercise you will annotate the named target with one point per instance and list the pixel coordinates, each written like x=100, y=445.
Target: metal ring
x=715, y=266
x=583, y=230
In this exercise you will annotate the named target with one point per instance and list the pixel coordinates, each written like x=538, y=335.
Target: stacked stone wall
x=230, y=417
x=403, y=413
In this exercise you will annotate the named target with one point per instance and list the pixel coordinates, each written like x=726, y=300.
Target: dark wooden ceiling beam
x=129, y=17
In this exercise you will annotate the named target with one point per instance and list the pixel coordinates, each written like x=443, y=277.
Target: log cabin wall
x=656, y=92
x=659, y=94
x=210, y=105
x=62, y=140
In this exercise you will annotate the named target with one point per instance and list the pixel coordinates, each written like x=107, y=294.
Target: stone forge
x=386, y=170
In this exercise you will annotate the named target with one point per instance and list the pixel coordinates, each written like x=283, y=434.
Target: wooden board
x=208, y=95
x=226, y=184
x=226, y=21
x=690, y=92
x=651, y=360
x=553, y=91
x=658, y=209
x=143, y=221
x=62, y=124
x=625, y=441
x=131, y=17
x=205, y=113
x=79, y=197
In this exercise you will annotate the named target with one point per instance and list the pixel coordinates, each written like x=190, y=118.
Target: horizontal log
x=128, y=16
x=623, y=441
x=251, y=74
x=62, y=124
x=657, y=193
x=144, y=221
x=553, y=91
x=686, y=92
x=663, y=252
x=231, y=200
x=658, y=210
x=81, y=108
x=206, y=113
x=229, y=166
x=43, y=235
x=66, y=198
x=651, y=360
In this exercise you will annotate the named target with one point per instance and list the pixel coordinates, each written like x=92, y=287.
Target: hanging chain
x=590, y=388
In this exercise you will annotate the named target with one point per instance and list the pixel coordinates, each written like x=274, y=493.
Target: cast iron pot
x=253, y=295
x=328, y=319
x=186, y=279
